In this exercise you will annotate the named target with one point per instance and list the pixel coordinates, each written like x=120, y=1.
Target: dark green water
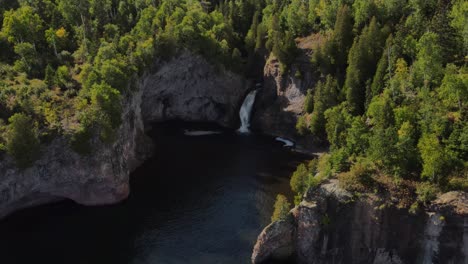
x=198, y=200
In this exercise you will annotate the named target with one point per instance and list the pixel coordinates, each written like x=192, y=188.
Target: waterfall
x=245, y=112
x=432, y=232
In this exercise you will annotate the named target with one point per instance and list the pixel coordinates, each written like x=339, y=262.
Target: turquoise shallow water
x=200, y=199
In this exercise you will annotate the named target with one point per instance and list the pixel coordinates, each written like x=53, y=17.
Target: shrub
x=458, y=183
x=359, y=178
x=414, y=208
x=301, y=125
x=22, y=141
x=299, y=179
x=309, y=102
x=324, y=167
x=282, y=207
x=339, y=160
x=426, y=192
x=298, y=75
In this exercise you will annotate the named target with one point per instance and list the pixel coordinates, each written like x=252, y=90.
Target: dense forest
x=390, y=100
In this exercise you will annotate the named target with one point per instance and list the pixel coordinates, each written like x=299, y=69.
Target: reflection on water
x=198, y=200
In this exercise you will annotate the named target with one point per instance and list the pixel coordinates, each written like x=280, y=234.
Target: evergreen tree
x=382, y=73
x=428, y=68
x=324, y=98
x=362, y=59
x=22, y=141
x=281, y=208
x=433, y=157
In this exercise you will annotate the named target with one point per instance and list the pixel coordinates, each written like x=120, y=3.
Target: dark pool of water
x=198, y=200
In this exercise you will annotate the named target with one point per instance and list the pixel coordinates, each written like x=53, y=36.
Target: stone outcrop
x=280, y=102
x=100, y=178
x=332, y=226
x=190, y=89
x=186, y=88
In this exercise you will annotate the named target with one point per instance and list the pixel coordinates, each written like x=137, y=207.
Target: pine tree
x=281, y=208
x=342, y=40
x=383, y=71
x=22, y=141
x=325, y=97
x=362, y=59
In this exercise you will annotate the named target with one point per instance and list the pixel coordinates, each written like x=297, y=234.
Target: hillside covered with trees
x=391, y=99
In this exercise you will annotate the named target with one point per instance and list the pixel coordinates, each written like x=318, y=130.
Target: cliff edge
x=332, y=226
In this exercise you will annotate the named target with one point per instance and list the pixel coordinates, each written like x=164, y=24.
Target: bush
x=324, y=167
x=426, y=192
x=299, y=179
x=282, y=207
x=458, y=184
x=309, y=102
x=22, y=141
x=304, y=178
x=339, y=160
x=301, y=125
x=359, y=178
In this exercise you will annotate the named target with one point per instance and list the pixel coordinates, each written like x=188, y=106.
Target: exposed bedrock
x=331, y=226
x=280, y=102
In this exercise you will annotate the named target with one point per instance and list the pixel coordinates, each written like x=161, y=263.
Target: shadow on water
x=200, y=199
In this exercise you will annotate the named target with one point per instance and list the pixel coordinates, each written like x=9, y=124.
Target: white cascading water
x=432, y=232
x=245, y=112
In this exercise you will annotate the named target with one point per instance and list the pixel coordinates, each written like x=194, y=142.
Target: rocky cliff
x=280, y=101
x=332, y=226
x=187, y=88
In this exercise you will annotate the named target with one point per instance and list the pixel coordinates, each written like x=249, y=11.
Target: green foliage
x=281, y=208
x=359, y=178
x=106, y=102
x=309, y=102
x=302, y=126
x=362, y=60
x=22, y=141
x=428, y=68
x=62, y=77
x=331, y=57
x=433, y=157
x=325, y=97
x=338, y=121
x=22, y=25
x=299, y=179
x=303, y=178
x=393, y=78
x=426, y=192
x=460, y=20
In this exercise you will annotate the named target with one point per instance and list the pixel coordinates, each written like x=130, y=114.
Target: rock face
x=189, y=88
x=329, y=226
x=281, y=100
x=100, y=178
x=186, y=88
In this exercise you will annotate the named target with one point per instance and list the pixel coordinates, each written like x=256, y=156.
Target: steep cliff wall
x=331, y=226
x=100, y=178
x=186, y=88
x=280, y=102
x=189, y=88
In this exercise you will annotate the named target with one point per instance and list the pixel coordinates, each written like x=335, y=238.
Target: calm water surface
x=198, y=200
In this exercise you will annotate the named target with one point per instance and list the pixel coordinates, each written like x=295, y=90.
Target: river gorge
x=199, y=199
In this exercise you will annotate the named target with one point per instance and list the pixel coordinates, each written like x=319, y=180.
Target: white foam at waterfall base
x=245, y=112
x=198, y=133
x=287, y=142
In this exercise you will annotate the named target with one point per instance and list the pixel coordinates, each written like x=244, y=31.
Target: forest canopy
x=392, y=76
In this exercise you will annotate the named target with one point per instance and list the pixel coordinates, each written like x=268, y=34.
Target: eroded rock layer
x=331, y=226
